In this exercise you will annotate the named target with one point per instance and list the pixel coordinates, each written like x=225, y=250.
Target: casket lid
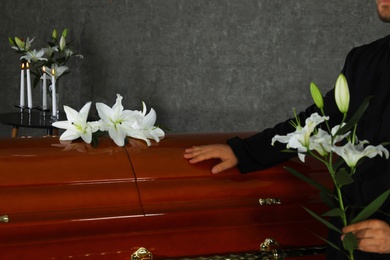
x=45, y=177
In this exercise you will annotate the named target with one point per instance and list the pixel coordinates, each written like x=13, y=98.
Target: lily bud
x=316, y=95
x=54, y=34
x=342, y=94
x=20, y=43
x=62, y=43
x=65, y=33
x=11, y=41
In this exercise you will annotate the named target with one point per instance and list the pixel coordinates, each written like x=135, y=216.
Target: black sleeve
x=256, y=152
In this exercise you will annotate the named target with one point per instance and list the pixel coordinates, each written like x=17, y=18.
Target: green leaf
x=95, y=141
x=323, y=221
x=384, y=213
x=385, y=143
x=95, y=138
x=350, y=242
x=356, y=117
x=339, y=161
x=331, y=244
x=372, y=207
x=336, y=212
x=51, y=44
x=342, y=177
x=327, y=199
x=308, y=180
x=289, y=151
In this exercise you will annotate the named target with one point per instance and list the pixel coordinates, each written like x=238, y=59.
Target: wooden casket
x=68, y=200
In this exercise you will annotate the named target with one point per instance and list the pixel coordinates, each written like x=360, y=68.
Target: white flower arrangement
x=53, y=57
x=119, y=123
x=341, y=140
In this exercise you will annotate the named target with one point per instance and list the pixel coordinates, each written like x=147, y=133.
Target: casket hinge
x=142, y=254
x=270, y=201
x=4, y=218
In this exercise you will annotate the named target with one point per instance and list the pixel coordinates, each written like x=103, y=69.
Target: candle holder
x=55, y=99
x=43, y=110
x=28, y=109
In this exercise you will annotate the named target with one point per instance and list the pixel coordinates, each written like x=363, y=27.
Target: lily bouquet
x=341, y=140
x=54, y=57
x=119, y=124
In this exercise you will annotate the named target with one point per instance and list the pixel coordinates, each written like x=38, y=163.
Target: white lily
x=50, y=50
x=34, y=56
x=321, y=142
x=353, y=153
x=116, y=121
x=70, y=53
x=300, y=139
x=144, y=129
x=303, y=138
x=58, y=70
x=76, y=126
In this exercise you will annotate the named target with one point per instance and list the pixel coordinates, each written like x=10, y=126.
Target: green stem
x=341, y=203
x=326, y=121
x=339, y=196
x=329, y=165
x=318, y=157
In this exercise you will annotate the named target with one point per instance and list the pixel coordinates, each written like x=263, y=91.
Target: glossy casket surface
x=69, y=200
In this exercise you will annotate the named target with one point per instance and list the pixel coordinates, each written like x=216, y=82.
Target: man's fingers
x=372, y=235
x=200, y=153
x=222, y=166
x=371, y=245
x=223, y=152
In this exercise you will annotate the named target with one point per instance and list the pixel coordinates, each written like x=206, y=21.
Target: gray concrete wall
x=203, y=65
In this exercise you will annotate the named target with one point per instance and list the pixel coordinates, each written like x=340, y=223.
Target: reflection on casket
x=69, y=200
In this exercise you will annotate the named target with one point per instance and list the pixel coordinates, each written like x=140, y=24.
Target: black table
x=33, y=119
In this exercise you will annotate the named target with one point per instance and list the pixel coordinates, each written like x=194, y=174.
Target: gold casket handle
x=4, y=218
x=272, y=246
x=142, y=254
x=270, y=201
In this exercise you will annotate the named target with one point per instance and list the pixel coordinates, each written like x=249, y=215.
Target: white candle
x=29, y=93
x=53, y=94
x=22, y=86
x=44, y=90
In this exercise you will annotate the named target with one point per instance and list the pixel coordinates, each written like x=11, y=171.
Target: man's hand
x=372, y=235
x=217, y=151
